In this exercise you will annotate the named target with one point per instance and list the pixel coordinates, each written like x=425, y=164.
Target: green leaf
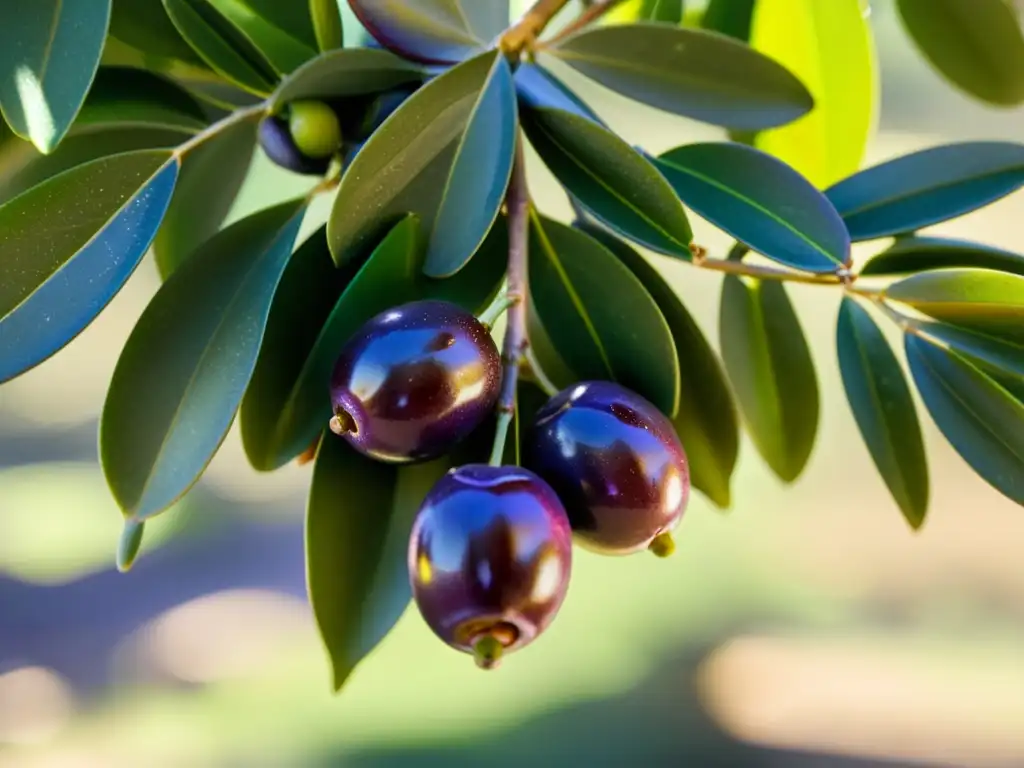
x=460, y=130
x=884, y=409
x=326, y=23
x=771, y=370
x=22, y=167
x=126, y=97
x=706, y=422
x=729, y=17
x=187, y=362
x=49, y=52
x=281, y=32
x=996, y=356
x=358, y=520
x=212, y=175
x=430, y=31
x=305, y=297
x=145, y=26
x=668, y=11
x=975, y=44
x=690, y=72
x=830, y=47
x=980, y=419
x=614, y=182
x=761, y=202
x=219, y=43
x=981, y=300
x=347, y=72
x=54, y=280
x=393, y=275
x=927, y=187
x=599, y=315
x=916, y=254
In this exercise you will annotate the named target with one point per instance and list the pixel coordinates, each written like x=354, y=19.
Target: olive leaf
x=884, y=409
x=358, y=520
x=187, y=362
x=690, y=72
x=54, y=280
x=432, y=31
x=460, y=128
x=49, y=53
x=916, y=254
x=600, y=317
x=771, y=371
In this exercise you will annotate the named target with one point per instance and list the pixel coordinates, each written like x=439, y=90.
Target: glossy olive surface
x=276, y=141
x=490, y=557
x=314, y=128
x=414, y=381
x=615, y=462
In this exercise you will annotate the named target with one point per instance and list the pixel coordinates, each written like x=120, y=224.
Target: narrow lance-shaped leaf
x=446, y=155
x=707, y=422
x=982, y=300
x=346, y=72
x=614, y=182
x=258, y=21
x=299, y=402
x=975, y=44
x=54, y=280
x=916, y=254
x=308, y=291
x=212, y=175
x=326, y=23
x=884, y=409
x=599, y=315
x=358, y=520
x=540, y=89
x=998, y=358
x=983, y=421
x=431, y=31
x=183, y=371
x=829, y=46
x=145, y=26
x=221, y=45
x=49, y=52
x=927, y=187
x=771, y=371
x=760, y=201
x=690, y=72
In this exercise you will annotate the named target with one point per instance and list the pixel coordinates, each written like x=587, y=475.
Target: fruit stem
x=517, y=200
x=590, y=14
x=239, y=116
x=662, y=545
x=487, y=652
x=538, y=374
x=490, y=315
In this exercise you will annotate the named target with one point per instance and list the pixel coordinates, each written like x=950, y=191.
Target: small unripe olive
x=314, y=128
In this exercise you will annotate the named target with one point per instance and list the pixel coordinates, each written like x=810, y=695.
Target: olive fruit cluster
x=490, y=552
x=307, y=134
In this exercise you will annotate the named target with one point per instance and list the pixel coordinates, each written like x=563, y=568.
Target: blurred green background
x=808, y=626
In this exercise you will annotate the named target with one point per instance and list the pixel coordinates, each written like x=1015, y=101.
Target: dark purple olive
x=489, y=559
x=414, y=381
x=277, y=143
x=615, y=462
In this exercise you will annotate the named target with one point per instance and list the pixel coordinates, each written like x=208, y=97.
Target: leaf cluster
x=130, y=125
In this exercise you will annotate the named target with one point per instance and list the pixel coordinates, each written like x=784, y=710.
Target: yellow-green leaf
x=829, y=46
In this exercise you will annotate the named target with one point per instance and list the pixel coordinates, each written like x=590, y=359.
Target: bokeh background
x=808, y=626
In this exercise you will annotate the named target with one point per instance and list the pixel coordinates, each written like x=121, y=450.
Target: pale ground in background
x=938, y=684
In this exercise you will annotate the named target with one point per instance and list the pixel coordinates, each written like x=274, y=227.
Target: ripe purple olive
x=278, y=144
x=489, y=559
x=616, y=463
x=414, y=381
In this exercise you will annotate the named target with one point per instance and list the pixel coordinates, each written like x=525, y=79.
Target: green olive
x=314, y=128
